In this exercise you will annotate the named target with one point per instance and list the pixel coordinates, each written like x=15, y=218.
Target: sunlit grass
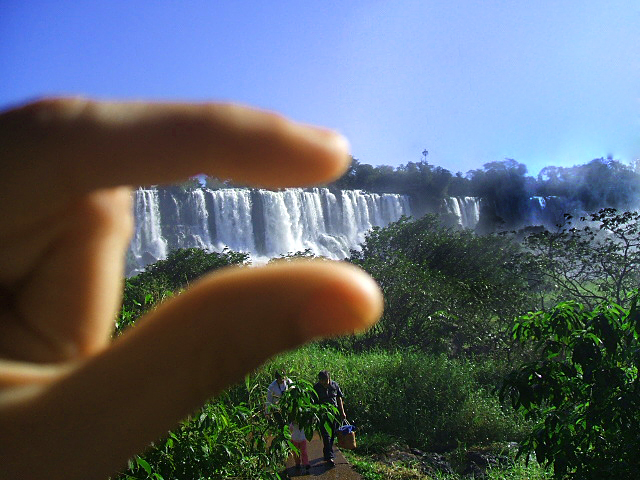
x=371, y=469
x=430, y=401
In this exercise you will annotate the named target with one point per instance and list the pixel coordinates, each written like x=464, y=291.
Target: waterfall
x=466, y=210
x=147, y=244
x=232, y=216
x=537, y=210
x=263, y=223
x=549, y=210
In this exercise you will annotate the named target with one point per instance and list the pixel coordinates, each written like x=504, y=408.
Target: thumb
x=181, y=354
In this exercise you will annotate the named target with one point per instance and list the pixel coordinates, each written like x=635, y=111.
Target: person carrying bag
x=329, y=393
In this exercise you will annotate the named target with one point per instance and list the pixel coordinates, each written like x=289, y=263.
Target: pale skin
x=73, y=403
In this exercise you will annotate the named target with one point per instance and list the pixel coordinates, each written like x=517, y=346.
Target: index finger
x=77, y=144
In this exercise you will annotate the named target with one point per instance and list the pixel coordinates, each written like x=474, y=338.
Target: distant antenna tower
x=425, y=152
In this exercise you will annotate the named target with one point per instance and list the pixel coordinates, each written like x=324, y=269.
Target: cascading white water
x=148, y=242
x=540, y=201
x=202, y=216
x=263, y=223
x=279, y=223
x=232, y=216
x=466, y=209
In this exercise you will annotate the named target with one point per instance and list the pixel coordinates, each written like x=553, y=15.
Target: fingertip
x=340, y=144
x=349, y=302
x=336, y=148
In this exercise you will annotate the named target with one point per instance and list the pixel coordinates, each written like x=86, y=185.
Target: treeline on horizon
x=505, y=186
x=602, y=182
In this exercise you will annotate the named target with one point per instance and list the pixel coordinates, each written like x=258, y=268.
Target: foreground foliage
x=446, y=290
x=429, y=401
x=583, y=392
x=225, y=440
x=165, y=278
x=218, y=442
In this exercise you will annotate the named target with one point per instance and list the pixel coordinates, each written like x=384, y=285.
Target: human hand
x=73, y=403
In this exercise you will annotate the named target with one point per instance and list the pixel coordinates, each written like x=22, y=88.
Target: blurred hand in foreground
x=73, y=403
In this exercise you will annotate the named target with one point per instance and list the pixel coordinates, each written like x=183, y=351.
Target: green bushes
x=446, y=290
x=168, y=277
x=431, y=402
x=584, y=391
x=232, y=440
x=218, y=442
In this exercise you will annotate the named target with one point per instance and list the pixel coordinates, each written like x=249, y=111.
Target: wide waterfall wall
x=262, y=223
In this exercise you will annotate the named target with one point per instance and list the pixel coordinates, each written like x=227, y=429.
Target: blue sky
x=550, y=82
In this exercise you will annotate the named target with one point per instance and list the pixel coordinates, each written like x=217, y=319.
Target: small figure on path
x=299, y=439
x=329, y=392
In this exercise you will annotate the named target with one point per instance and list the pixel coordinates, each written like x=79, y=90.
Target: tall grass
x=432, y=402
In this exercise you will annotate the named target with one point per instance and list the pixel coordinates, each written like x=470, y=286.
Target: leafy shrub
x=166, y=278
x=218, y=442
x=583, y=392
x=224, y=440
x=589, y=262
x=446, y=290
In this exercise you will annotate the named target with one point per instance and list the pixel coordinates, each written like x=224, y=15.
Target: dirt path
x=319, y=468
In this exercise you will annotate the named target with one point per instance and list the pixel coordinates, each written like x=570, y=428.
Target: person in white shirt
x=276, y=388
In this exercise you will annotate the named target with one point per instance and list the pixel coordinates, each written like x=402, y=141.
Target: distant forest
x=603, y=182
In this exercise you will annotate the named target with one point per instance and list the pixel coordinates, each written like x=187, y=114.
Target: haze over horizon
x=544, y=83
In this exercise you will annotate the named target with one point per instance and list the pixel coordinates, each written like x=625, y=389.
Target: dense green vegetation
x=592, y=259
x=446, y=290
x=430, y=401
x=428, y=374
x=582, y=391
x=231, y=439
x=166, y=277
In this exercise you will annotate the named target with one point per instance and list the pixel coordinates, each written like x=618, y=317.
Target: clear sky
x=545, y=82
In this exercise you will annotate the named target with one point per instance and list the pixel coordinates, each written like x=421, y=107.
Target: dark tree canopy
x=504, y=187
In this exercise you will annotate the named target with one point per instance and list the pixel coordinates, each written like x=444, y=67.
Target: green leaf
x=144, y=464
